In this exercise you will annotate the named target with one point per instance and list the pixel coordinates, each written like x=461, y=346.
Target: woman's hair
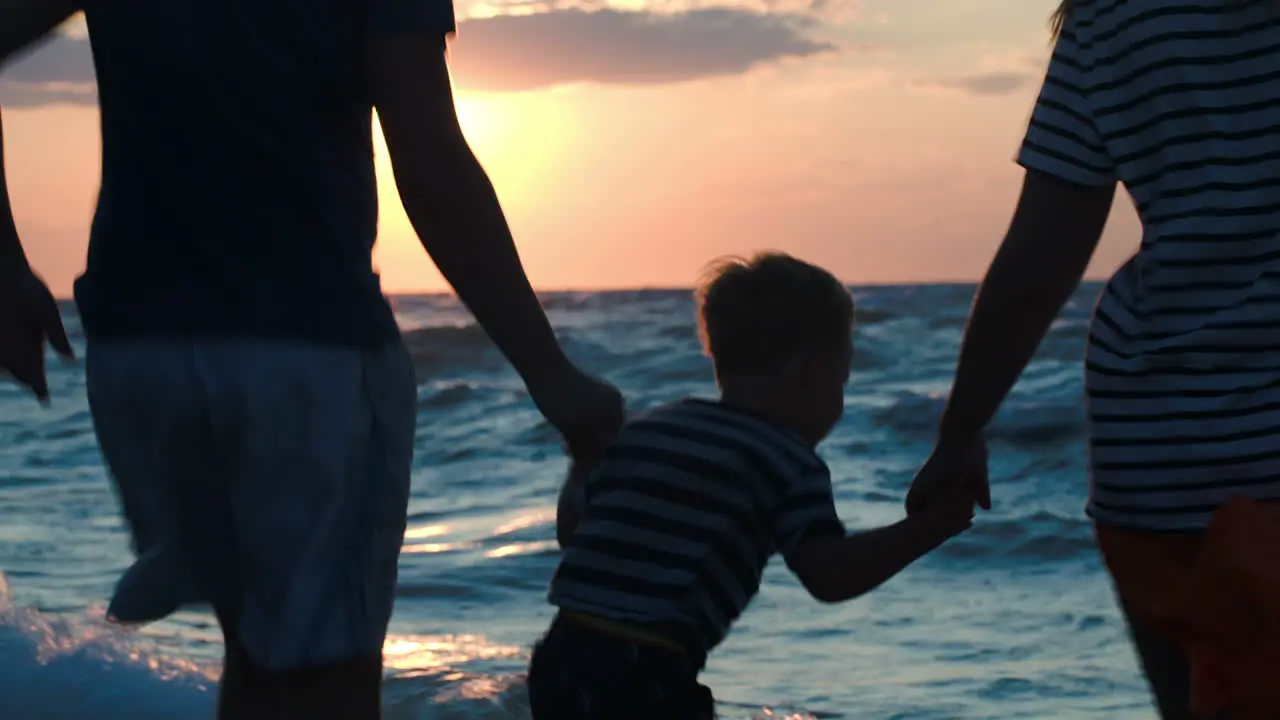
x=1060, y=16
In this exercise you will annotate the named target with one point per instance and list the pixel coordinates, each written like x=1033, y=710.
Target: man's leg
x=344, y=690
x=278, y=474
x=322, y=443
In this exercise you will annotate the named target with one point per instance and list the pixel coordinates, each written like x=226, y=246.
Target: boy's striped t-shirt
x=684, y=512
x=1178, y=100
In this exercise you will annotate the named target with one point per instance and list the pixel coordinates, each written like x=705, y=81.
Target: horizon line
x=690, y=288
x=674, y=288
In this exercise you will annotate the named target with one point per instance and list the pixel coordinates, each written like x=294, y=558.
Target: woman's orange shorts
x=1217, y=595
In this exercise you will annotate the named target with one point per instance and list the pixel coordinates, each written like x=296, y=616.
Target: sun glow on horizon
x=520, y=140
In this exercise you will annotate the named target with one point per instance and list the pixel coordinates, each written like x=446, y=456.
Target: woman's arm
x=1067, y=193
x=1053, y=235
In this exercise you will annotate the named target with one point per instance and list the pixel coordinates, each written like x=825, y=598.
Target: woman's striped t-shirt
x=1178, y=100
x=684, y=512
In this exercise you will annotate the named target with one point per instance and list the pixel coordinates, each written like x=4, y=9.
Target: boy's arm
x=835, y=568
x=834, y=565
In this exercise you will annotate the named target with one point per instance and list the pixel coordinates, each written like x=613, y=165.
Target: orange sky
x=872, y=136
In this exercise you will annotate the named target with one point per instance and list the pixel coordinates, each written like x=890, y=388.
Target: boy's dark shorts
x=581, y=674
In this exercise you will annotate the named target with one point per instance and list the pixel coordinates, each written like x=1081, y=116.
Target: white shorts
x=267, y=478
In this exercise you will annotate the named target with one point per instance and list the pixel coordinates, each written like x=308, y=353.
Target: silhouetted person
x=251, y=394
x=1179, y=102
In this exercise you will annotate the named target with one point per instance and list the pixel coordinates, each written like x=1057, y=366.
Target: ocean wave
x=1041, y=537
x=869, y=359
x=447, y=394
x=1019, y=421
x=571, y=300
x=874, y=316
x=83, y=667
x=441, y=351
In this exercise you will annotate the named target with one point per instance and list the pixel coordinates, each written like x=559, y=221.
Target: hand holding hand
x=956, y=466
x=950, y=512
x=586, y=410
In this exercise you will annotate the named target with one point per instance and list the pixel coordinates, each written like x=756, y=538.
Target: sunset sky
x=633, y=141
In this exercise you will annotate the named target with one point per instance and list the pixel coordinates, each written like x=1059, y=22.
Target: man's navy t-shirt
x=238, y=191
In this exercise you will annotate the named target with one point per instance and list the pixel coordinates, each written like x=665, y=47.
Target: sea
x=1014, y=619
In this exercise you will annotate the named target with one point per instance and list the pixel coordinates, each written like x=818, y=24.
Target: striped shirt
x=1178, y=100
x=683, y=514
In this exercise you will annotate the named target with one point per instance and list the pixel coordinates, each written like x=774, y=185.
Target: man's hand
x=956, y=466
x=455, y=210
x=586, y=410
x=29, y=318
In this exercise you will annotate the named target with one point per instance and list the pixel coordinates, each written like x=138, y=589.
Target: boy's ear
x=800, y=367
x=812, y=364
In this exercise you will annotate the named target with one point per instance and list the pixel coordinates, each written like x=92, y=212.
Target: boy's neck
x=762, y=397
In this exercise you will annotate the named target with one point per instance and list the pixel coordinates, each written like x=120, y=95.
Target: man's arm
x=452, y=204
x=1054, y=232
x=29, y=314
x=23, y=22
x=11, y=254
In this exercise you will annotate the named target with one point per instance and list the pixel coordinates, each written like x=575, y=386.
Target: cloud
x=58, y=72
x=524, y=51
x=1000, y=82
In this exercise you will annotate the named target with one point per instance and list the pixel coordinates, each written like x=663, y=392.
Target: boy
x=666, y=537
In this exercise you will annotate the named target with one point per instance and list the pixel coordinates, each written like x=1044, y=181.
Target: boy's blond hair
x=756, y=314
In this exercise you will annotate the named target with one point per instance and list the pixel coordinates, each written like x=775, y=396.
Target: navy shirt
x=238, y=190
